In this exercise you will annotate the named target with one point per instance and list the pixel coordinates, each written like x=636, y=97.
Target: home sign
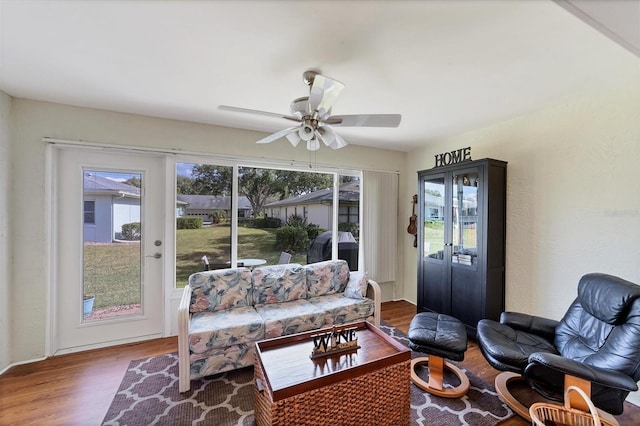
x=453, y=157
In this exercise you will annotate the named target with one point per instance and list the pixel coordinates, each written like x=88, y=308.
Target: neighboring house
x=434, y=206
x=317, y=206
x=204, y=205
x=108, y=204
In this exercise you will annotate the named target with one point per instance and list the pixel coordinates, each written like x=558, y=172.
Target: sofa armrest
x=374, y=293
x=184, y=369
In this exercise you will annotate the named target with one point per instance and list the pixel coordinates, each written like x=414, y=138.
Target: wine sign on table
x=334, y=341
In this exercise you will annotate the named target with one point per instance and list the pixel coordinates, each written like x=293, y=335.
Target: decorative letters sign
x=453, y=157
x=334, y=341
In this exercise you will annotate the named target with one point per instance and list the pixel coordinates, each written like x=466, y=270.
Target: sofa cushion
x=221, y=289
x=279, y=283
x=218, y=329
x=341, y=310
x=217, y=360
x=285, y=318
x=357, y=285
x=327, y=277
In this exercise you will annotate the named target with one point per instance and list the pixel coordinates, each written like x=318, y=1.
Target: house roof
x=213, y=202
x=95, y=184
x=348, y=192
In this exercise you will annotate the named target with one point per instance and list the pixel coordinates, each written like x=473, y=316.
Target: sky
x=184, y=169
x=118, y=177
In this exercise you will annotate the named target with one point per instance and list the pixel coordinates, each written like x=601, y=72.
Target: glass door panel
x=204, y=207
x=465, y=218
x=109, y=248
x=434, y=205
x=349, y=220
x=112, y=230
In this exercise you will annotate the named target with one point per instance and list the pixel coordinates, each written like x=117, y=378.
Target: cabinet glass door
x=434, y=212
x=465, y=218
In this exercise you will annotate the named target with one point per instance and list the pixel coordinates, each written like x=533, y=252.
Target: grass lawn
x=112, y=271
x=434, y=235
x=215, y=243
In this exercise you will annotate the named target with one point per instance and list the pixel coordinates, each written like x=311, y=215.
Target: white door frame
x=53, y=343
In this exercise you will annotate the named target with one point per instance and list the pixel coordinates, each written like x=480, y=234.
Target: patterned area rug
x=148, y=395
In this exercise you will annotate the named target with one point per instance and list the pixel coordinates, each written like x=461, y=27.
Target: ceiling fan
x=313, y=113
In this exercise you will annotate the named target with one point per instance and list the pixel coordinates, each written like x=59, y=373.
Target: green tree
x=212, y=180
x=184, y=185
x=258, y=185
x=292, y=183
x=134, y=181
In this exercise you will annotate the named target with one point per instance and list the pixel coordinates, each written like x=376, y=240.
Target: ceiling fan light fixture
x=306, y=132
x=313, y=144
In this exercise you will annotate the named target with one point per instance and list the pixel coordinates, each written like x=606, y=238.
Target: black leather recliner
x=597, y=341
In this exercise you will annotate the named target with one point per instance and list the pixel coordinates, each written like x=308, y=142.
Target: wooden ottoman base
x=504, y=379
x=436, y=377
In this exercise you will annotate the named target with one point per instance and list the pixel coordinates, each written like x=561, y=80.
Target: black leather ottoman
x=440, y=336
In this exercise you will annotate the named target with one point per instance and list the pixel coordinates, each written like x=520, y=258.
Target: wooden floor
x=77, y=389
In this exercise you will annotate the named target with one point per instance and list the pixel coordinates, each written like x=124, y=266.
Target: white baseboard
x=107, y=344
x=402, y=299
x=15, y=364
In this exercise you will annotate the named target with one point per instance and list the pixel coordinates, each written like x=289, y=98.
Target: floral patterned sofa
x=223, y=313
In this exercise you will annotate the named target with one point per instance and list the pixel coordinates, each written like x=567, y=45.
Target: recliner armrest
x=544, y=327
x=601, y=376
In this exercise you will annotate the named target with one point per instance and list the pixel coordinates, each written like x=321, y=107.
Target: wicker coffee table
x=367, y=386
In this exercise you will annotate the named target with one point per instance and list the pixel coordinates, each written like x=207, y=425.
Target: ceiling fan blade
x=294, y=138
x=278, y=135
x=365, y=120
x=324, y=92
x=255, y=111
x=324, y=137
x=338, y=143
x=331, y=138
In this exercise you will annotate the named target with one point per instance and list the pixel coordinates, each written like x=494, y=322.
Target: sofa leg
x=184, y=383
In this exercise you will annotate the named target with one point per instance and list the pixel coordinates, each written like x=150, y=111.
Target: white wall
x=573, y=197
x=5, y=228
x=34, y=120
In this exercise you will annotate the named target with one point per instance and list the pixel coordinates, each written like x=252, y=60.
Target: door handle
x=156, y=255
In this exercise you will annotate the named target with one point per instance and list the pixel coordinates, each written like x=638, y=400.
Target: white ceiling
x=446, y=66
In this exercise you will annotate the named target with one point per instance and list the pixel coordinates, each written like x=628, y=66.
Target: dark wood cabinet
x=461, y=240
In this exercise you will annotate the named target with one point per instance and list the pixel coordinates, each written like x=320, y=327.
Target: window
x=265, y=200
x=89, y=212
x=203, y=234
x=348, y=214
